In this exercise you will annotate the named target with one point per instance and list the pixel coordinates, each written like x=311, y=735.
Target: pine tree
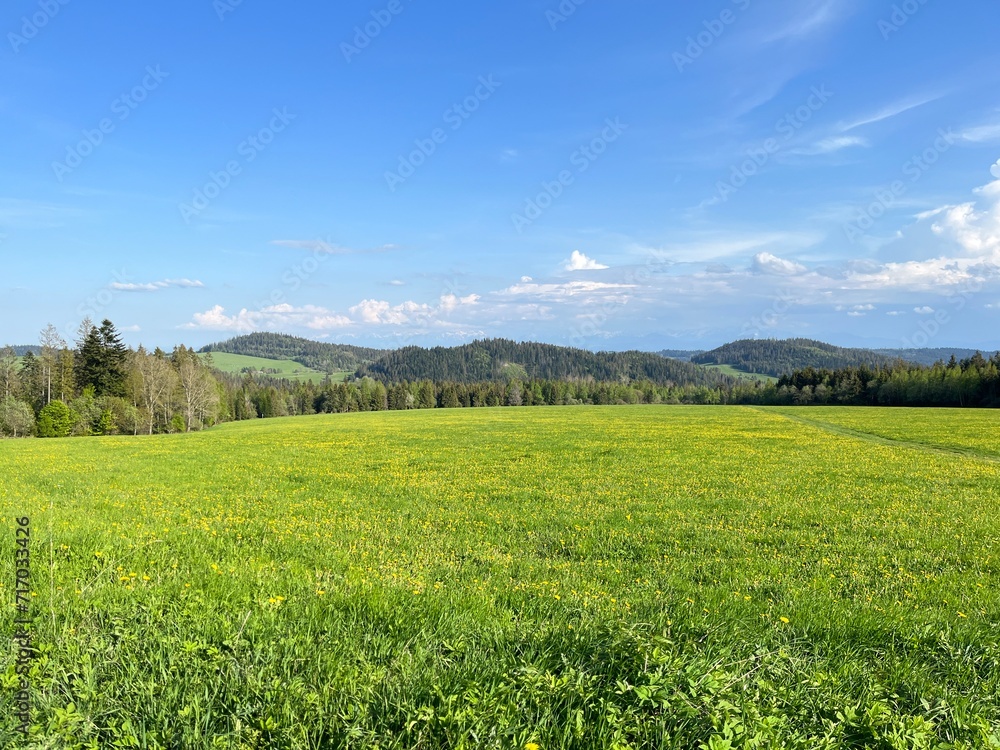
x=102, y=361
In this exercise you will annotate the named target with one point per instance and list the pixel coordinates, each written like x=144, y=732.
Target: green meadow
x=278, y=368
x=565, y=577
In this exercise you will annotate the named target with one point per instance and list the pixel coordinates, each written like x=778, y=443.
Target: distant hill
x=684, y=355
x=20, y=351
x=500, y=359
x=325, y=358
x=928, y=356
x=776, y=358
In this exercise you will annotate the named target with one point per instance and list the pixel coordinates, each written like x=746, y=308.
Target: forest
x=970, y=382
x=99, y=386
x=502, y=360
x=782, y=357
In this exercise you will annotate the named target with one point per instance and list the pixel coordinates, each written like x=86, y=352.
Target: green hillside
x=237, y=364
x=776, y=358
x=315, y=355
x=734, y=373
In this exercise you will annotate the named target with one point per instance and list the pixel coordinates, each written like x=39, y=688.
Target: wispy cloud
x=814, y=18
x=330, y=248
x=156, y=286
x=893, y=110
x=982, y=133
x=831, y=145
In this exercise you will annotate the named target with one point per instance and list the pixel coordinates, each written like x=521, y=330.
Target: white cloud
x=580, y=262
x=863, y=308
x=982, y=133
x=451, y=302
x=156, y=286
x=397, y=282
x=895, y=313
x=379, y=312
x=274, y=317
x=562, y=291
x=526, y=279
x=925, y=310
x=772, y=265
x=925, y=275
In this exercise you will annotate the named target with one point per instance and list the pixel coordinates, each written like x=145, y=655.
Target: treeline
x=970, y=382
x=503, y=360
x=100, y=387
x=315, y=355
x=373, y=395
x=776, y=358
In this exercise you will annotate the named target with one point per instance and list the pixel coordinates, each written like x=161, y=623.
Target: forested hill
x=777, y=358
x=927, y=357
x=500, y=359
x=313, y=354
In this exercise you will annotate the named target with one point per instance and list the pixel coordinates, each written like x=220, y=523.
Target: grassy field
x=582, y=577
x=733, y=372
x=286, y=368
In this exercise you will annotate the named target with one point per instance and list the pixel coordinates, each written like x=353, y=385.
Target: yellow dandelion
x=784, y=620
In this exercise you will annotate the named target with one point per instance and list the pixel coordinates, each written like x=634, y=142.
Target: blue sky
x=608, y=175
